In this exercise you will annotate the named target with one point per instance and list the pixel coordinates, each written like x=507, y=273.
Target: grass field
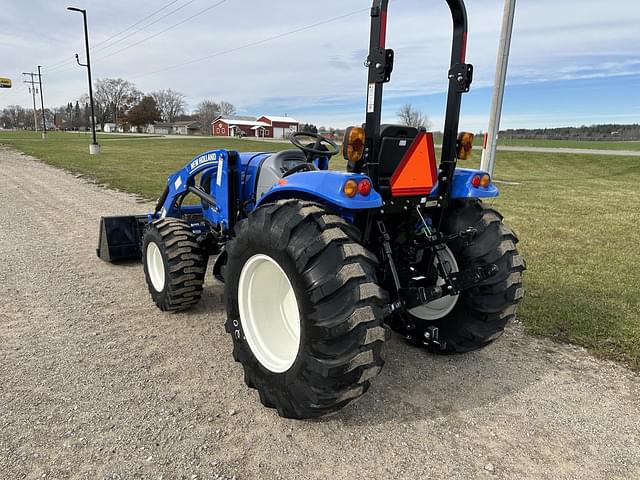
x=589, y=144
x=577, y=218
x=586, y=144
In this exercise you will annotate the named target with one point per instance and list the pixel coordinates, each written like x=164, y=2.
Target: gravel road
x=96, y=383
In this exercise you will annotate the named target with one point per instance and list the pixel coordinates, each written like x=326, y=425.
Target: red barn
x=281, y=127
x=264, y=127
x=239, y=126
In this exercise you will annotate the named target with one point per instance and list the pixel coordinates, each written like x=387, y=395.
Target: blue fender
x=326, y=186
x=462, y=187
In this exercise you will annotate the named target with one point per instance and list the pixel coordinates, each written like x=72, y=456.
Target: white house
x=110, y=128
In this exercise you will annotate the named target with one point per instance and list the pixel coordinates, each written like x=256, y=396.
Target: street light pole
x=94, y=148
x=44, y=120
x=489, y=152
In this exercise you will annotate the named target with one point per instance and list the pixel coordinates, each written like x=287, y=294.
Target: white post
x=489, y=153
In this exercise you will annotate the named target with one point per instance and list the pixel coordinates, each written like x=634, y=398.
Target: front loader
x=320, y=265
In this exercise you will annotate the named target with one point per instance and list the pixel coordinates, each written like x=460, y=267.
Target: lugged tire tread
x=186, y=265
x=346, y=338
x=483, y=314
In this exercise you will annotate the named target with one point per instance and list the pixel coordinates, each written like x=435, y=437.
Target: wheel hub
x=155, y=266
x=269, y=313
x=441, y=307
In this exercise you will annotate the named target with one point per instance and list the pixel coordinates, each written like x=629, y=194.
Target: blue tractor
x=320, y=265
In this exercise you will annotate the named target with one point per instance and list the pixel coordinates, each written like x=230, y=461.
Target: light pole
x=489, y=153
x=94, y=148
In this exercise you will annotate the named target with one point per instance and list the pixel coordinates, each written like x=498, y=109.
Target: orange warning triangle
x=416, y=174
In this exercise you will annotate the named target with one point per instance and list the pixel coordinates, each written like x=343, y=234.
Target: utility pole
x=94, y=148
x=44, y=121
x=489, y=152
x=32, y=90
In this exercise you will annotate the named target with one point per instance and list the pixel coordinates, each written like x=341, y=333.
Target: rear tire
x=336, y=336
x=481, y=313
x=174, y=266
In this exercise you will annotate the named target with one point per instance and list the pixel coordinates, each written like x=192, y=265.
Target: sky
x=573, y=62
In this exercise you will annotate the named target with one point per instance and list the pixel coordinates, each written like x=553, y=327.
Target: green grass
x=135, y=164
x=577, y=218
x=530, y=142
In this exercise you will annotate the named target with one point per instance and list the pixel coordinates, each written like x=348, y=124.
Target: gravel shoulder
x=95, y=382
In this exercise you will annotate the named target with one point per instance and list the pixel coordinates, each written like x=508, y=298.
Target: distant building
x=237, y=126
x=175, y=128
x=245, y=126
x=281, y=127
x=110, y=128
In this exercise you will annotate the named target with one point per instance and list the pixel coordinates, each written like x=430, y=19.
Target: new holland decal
x=207, y=158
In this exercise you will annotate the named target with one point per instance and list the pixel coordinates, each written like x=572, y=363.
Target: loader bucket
x=120, y=238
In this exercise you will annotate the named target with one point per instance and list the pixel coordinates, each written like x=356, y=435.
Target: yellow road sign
x=5, y=82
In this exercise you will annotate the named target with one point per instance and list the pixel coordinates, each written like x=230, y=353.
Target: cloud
x=318, y=72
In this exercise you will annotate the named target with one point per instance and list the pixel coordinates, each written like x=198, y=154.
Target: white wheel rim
x=269, y=313
x=155, y=266
x=441, y=307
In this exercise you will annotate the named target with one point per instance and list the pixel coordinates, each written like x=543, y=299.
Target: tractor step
x=120, y=237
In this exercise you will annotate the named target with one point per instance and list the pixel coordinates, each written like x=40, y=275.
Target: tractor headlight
x=353, y=144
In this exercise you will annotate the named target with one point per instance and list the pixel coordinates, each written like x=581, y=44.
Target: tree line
x=609, y=131
x=119, y=101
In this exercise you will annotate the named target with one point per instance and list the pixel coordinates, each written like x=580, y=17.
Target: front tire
x=303, y=309
x=481, y=313
x=174, y=264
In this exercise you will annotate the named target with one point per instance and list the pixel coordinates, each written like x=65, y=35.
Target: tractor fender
x=462, y=187
x=325, y=186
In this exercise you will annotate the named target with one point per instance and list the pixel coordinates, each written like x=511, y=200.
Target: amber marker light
x=465, y=145
x=350, y=188
x=353, y=144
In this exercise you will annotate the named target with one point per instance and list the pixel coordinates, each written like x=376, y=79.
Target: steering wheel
x=302, y=167
x=314, y=151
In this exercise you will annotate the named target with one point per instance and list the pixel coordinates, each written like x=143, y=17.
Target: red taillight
x=364, y=187
x=481, y=181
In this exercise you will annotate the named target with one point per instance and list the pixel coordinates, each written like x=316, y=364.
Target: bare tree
x=115, y=96
x=11, y=116
x=413, y=118
x=208, y=110
x=170, y=103
x=226, y=108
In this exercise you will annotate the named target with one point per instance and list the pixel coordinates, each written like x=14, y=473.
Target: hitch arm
x=458, y=282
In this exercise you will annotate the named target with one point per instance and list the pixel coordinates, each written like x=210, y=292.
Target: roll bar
x=380, y=64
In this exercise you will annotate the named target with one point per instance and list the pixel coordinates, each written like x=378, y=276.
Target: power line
x=149, y=24
x=215, y=5
x=255, y=43
x=98, y=46
x=251, y=44
x=32, y=91
x=211, y=7
x=44, y=119
x=139, y=22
